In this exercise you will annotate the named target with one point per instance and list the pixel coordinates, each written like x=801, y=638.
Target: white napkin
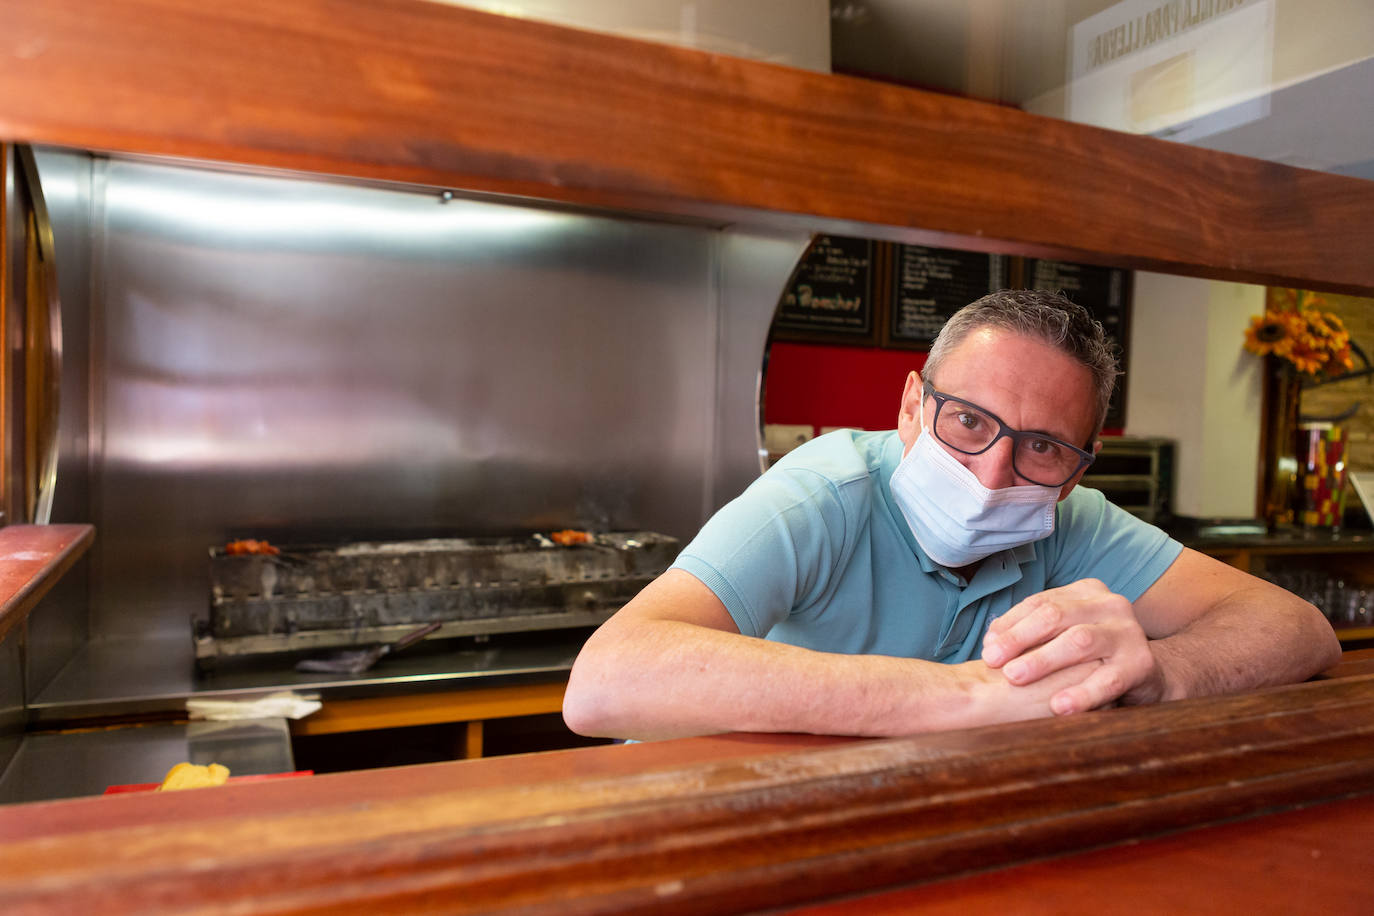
x=283, y=705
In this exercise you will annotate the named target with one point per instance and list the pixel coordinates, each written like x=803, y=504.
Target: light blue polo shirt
x=815, y=553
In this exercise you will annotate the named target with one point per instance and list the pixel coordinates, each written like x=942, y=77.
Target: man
x=946, y=574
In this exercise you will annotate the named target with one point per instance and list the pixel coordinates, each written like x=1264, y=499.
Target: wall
x=1192, y=381
x=820, y=385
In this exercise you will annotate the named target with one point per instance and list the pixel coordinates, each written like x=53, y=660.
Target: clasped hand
x=1071, y=625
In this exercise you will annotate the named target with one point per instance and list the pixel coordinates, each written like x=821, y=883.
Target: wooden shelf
x=473, y=707
x=476, y=704
x=32, y=559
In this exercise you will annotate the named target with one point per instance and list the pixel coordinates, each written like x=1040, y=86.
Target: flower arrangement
x=1295, y=329
x=1304, y=346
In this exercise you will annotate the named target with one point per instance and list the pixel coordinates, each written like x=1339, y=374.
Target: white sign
x=1177, y=68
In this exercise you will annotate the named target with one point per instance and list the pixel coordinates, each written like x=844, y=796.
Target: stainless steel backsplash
x=309, y=361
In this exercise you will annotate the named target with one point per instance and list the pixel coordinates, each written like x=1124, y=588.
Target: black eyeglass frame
x=1085, y=458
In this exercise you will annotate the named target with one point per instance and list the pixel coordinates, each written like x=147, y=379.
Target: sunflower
x=1295, y=330
x=1319, y=327
x=1306, y=359
x=1341, y=359
x=1272, y=332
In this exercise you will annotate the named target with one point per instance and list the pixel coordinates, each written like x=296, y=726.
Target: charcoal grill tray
x=358, y=594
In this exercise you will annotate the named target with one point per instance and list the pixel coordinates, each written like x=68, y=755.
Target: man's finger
x=1083, y=588
x=1071, y=647
x=1016, y=613
x=1100, y=688
x=1040, y=623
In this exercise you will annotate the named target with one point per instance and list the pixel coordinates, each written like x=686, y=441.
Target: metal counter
x=55, y=766
x=125, y=678
x=152, y=675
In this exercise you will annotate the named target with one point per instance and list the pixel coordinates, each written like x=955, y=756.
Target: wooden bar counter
x=743, y=823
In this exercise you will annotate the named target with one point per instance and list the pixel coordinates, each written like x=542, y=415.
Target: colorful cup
x=1321, y=464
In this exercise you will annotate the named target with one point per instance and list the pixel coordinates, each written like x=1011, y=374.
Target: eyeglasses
x=968, y=428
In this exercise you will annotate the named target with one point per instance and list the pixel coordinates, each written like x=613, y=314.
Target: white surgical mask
x=957, y=520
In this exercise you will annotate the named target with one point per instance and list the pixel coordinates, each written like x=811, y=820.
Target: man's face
x=1028, y=383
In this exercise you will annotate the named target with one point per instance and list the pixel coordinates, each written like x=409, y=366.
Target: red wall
x=826, y=385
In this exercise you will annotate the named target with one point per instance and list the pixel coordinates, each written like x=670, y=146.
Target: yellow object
x=1293, y=328
x=193, y=776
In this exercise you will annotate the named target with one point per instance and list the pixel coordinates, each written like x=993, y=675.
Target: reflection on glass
x=1290, y=81
x=1182, y=69
x=791, y=32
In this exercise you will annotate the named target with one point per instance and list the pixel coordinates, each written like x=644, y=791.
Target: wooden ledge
x=32, y=559
x=1353, y=663
x=725, y=835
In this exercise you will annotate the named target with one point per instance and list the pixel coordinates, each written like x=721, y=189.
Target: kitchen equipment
x=1137, y=474
x=364, y=594
x=356, y=661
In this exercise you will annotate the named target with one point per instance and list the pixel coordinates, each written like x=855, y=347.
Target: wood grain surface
x=729, y=834
x=412, y=91
x=32, y=559
x=1310, y=860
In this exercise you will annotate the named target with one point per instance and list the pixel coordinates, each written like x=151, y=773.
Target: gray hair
x=1048, y=316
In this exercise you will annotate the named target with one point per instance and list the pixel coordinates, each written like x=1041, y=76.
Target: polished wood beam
x=1353, y=663
x=412, y=91
x=728, y=835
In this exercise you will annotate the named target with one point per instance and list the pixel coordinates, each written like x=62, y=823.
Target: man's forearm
x=661, y=679
x=1258, y=637
x=664, y=678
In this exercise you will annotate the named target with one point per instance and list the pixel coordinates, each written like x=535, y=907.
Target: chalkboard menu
x=1103, y=291
x=831, y=294
x=931, y=284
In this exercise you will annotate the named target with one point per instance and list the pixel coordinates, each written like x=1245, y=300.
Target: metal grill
x=357, y=594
